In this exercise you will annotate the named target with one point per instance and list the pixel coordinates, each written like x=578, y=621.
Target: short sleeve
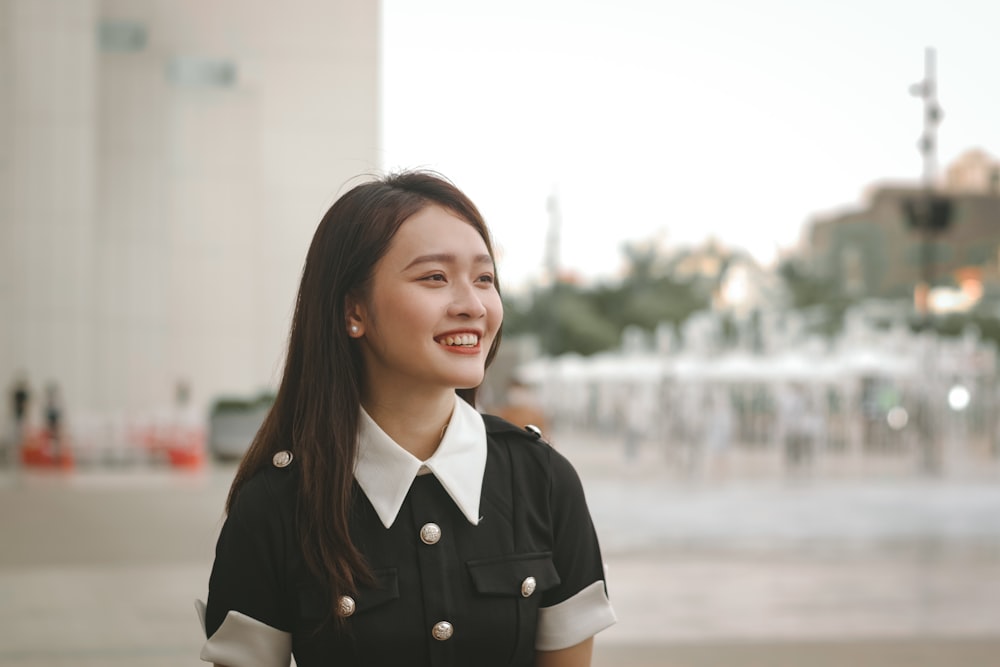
x=247, y=596
x=578, y=607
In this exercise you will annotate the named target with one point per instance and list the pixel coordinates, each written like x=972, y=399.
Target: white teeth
x=468, y=340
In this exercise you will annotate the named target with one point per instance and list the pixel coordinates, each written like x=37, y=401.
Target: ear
x=354, y=320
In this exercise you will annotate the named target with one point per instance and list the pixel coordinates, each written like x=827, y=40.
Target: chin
x=467, y=382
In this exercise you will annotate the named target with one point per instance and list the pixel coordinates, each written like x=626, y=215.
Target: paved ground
x=101, y=567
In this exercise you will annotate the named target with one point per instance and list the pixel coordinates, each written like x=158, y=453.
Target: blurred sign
x=117, y=36
x=930, y=213
x=201, y=72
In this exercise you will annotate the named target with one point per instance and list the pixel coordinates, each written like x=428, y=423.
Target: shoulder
x=542, y=474
x=527, y=443
x=498, y=428
x=271, y=490
x=499, y=425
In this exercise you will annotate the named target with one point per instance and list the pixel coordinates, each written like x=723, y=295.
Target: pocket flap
x=507, y=575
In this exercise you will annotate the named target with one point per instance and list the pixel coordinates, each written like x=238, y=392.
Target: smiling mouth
x=460, y=340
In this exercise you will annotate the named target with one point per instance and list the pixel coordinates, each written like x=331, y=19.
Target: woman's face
x=433, y=309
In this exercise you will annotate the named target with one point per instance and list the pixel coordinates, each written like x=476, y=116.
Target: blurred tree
x=579, y=326
x=663, y=300
x=986, y=325
x=819, y=297
x=565, y=319
x=572, y=318
x=659, y=288
x=806, y=288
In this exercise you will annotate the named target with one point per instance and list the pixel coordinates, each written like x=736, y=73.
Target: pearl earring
x=354, y=328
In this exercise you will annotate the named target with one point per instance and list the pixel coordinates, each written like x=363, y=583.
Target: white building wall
x=158, y=223
x=47, y=205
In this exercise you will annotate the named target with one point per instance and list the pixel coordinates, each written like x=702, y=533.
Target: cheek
x=405, y=305
x=495, y=307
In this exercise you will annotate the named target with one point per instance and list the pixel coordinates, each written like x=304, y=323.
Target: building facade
x=163, y=165
x=876, y=251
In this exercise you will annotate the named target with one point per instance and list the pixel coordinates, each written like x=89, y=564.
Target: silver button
x=442, y=631
x=430, y=533
x=282, y=459
x=528, y=587
x=346, y=605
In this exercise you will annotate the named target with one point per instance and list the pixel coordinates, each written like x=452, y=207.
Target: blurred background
x=750, y=257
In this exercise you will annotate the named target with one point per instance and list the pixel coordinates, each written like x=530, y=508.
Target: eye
x=435, y=278
x=486, y=279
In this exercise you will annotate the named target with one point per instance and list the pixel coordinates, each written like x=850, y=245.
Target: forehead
x=435, y=229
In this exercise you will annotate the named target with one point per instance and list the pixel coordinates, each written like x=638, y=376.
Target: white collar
x=385, y=470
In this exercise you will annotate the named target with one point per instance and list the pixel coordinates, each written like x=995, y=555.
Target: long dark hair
x=316, y=410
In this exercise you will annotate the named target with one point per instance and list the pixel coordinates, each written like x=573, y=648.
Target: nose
x=467, y=302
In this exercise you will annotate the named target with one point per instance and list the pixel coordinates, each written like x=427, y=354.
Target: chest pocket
x=522, y=578
x=519, y=575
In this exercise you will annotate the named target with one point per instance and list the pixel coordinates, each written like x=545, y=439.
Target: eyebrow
x=446, y=258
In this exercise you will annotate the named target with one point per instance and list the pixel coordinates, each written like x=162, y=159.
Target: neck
x=415, y=423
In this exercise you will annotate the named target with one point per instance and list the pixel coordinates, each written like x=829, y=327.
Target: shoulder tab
x=496, y=425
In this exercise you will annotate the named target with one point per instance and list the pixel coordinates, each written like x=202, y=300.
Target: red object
x=186, y=449
x=38, y=452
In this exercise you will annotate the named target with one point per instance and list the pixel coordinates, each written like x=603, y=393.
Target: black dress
x=448, y=592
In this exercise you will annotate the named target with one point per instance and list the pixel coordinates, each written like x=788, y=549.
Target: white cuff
x=242, y=641
x=574, y=620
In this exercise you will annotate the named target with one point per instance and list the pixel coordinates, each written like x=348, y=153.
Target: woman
x=378, y=518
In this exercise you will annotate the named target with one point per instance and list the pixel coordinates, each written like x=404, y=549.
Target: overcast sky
x=678, y=120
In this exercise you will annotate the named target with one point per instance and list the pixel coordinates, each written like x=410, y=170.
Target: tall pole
x=928, y=223
x=927, y=90
x=923, y=213
x=552, y=239
x=552, y=269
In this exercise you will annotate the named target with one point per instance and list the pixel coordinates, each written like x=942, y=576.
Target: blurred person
x=928, y=438
x=378, y=518
x=53, y=413
x=182, y=394
x=185, y=414
x=20, y=401
x=691, y=425
x=636, y=417
x=718, y=431
x=800, y=422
